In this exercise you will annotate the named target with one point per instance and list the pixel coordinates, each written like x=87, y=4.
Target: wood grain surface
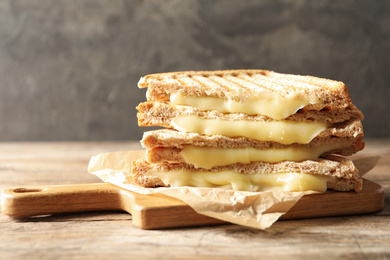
x=157, y=211
x=113, y=235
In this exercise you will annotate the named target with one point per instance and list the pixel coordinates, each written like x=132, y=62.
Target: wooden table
x=111, y=235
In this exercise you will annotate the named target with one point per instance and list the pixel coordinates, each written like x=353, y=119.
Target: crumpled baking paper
x=253, y=209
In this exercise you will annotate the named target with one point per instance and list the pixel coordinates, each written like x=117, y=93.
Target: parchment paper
x=253, y=209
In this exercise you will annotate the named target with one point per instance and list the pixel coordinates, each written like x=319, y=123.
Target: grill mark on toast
x=206, y=81
x=242, y=83
x=297, y=86
x=189, y=82
x=265, y=87
x=284, y=86
x=235, y=90
x=332, y=94
x=227, y=92
x=318, y=82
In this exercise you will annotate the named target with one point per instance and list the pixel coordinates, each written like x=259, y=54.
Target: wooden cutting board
x=160, y=211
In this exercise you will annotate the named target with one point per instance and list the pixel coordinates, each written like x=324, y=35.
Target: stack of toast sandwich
x=251, y=130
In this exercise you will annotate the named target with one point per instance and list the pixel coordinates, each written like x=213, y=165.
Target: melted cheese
x=274, y=106
x=245, y=182
x=200, y=156
x=283, y=132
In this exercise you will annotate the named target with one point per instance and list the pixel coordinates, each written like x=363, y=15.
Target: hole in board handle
x=25, y=190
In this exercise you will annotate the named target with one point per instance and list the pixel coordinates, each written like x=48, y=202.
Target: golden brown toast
x=236, y=97
x=161, y=114
x=166, y=145
x=343, y=173
x=177, y=139
x=240, y=85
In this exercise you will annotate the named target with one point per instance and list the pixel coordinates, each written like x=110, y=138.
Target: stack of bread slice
x=251, y=130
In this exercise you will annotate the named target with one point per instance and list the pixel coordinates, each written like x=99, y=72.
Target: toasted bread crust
x=351, y=128
x=177, y=139
x=344, y=173
x=239, y=85
x=173, y=154
x=334, y=108
x=161, y=114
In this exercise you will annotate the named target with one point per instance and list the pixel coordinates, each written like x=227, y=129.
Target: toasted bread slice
x=241, y=85
x=167, y=146
x=161, y=114
x=342, y=172
x=171, y=138
x=250, y=109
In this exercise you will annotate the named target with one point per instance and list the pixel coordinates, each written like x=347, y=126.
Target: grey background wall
x=69, y=69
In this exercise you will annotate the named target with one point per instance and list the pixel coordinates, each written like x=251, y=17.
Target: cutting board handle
x=148, y=211
x=43, y=200
x=156, y=211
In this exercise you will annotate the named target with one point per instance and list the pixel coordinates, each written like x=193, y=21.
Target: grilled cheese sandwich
x=245, y=125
